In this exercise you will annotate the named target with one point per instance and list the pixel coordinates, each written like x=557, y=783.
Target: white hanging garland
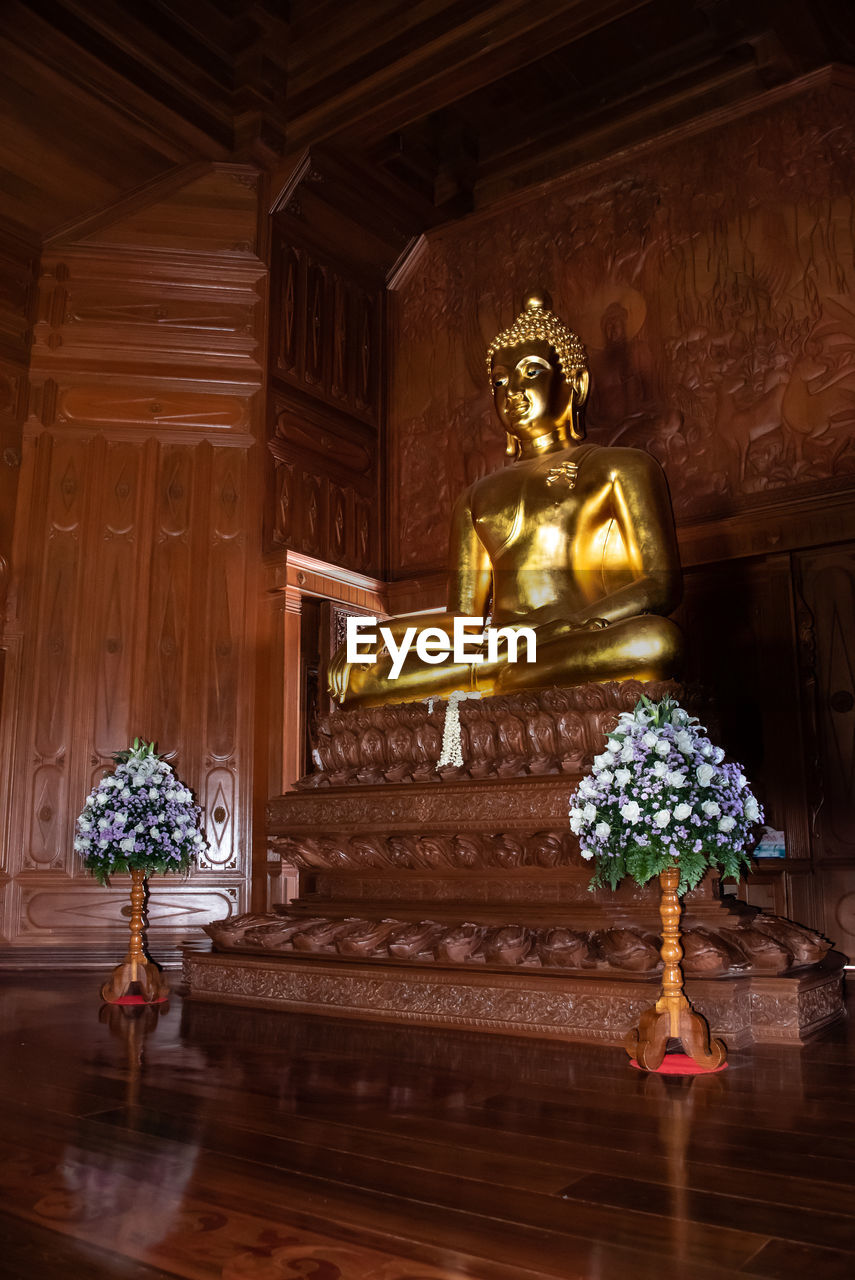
x=452, y=746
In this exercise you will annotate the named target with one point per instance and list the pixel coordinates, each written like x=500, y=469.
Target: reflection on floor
x=203, y=1141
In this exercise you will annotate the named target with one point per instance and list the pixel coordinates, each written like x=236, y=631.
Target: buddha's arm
x=468, y=594
x=642, y=510
x=469, y=578
x=627, y=561
x=469, y=571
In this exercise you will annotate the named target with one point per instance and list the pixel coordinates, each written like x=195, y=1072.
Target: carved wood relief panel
x=136, y=562
x=712, y=282
x=323, y=489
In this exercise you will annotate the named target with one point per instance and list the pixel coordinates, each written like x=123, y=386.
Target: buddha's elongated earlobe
x=582, y=385
x=574, y=422
x=512, y=446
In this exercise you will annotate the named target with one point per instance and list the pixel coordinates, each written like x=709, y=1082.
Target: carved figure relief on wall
x=713, y=284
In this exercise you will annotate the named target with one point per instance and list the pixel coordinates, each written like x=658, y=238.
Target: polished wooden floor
x=204, y=1141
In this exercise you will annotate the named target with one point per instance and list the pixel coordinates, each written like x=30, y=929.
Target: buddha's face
x=529, y=390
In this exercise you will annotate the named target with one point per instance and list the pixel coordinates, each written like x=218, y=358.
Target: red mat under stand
x=136, y=1000
x=680, y=1064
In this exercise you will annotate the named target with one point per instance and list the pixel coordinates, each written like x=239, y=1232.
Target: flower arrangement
x=140, y=817
x=659, y=792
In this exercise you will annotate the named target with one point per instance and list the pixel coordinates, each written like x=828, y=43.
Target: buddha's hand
x=561, y=627
x=337, y=674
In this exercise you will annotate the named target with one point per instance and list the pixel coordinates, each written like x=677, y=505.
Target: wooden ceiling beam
x=429, y=75
x=30, y=36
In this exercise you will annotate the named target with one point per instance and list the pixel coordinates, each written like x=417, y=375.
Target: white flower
x=711, y=808
x=155, y=833
x=675, y=779
x=177, y=833
x=606, y=777
x=741, y=781
x=726, y=824
x=627, y=751
x=602, y=831
x=705, y=774
x=152, y=793
x=125, y=793
x=102, y=823
x=662, y=818
x=717, y=755
x=120, y=817
x=682, y=811
x=707, y=750
x=85, y=824
x=630, y=812
x=138, y=779
x=80, y=843
x=577, y=821
x=127, y=845
x=660, y=769
x=589, y=813
x=622, y=776
x=586, y=853
x=683, y=742
x=649, y=739
x=663, y=748
x=102, y=843
x=197, y=839
x=101, y=798
x=139, y=828
x=170, y=795
x=752, y=810
x=587, y=788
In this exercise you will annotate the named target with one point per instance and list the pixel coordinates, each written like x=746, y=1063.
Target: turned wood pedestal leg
x=672, y=1016
x=136, y=975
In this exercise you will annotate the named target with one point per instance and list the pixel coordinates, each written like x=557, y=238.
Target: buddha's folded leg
x=647, y=647
x=373, y=685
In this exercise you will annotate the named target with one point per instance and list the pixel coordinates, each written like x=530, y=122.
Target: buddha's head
x=539, y=374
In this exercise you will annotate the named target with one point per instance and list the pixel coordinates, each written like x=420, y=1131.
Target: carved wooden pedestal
x=672, y=1017
x=136, y=975
x=460, y=898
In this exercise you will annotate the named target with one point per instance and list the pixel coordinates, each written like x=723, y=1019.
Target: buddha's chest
x=533, y=511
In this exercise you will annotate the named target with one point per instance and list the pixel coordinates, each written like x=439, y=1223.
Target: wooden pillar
x=292, y=692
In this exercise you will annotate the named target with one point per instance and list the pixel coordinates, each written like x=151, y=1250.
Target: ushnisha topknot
x=536, y=321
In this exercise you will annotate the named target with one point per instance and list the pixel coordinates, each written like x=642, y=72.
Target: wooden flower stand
x=672, y=1016
x=136, y=975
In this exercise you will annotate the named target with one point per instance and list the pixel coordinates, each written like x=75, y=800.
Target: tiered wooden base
x=460, y=898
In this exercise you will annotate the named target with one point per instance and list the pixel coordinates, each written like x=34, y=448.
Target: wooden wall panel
x=171, y=616
x=326, y=361
x=113, y=647
x=137, y=555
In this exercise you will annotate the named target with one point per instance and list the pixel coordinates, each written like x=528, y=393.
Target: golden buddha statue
x=572, y=539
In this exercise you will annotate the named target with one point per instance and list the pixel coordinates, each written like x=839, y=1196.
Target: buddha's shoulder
x=621, y=460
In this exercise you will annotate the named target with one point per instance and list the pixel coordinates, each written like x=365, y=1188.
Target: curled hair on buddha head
x=536, y=322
